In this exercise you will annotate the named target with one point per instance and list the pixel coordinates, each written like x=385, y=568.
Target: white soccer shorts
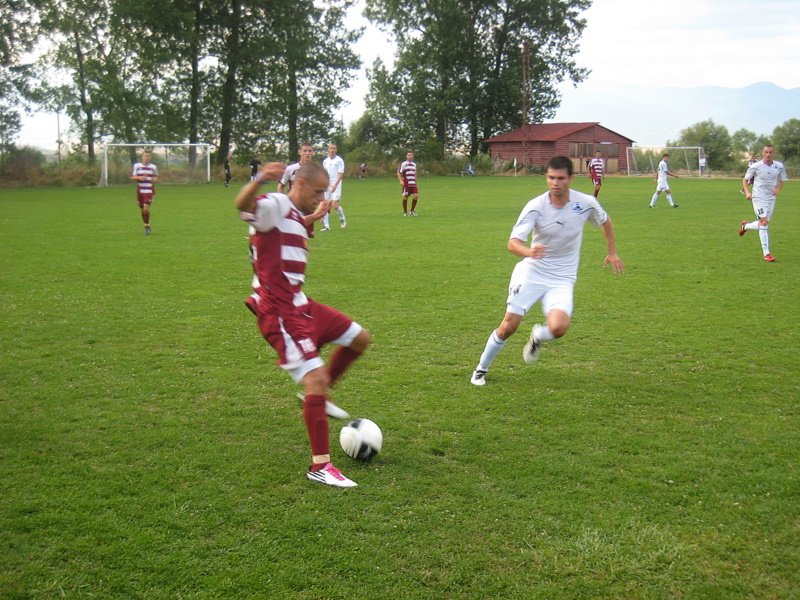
x=763, y=207
x=525, y=289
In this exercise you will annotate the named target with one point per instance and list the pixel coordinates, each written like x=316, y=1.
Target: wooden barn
x=534, y=145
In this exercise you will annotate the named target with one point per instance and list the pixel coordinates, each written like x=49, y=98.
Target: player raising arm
x=292, y=323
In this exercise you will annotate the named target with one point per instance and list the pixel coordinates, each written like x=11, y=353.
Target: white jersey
x=334, y=166
x=766, y=177
x=560, y=230
x=663, y=168
x=288, y=176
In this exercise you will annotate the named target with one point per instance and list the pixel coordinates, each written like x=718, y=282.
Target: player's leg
x=144, y=204
x=331, y=326
x=414, y=204
x=764, y=215
x=557, y=303
x=656, y=194
x=322, y=469
x=405, y=202
x=669, y=198
x=340, y=211
x=291, y=339
x=494, y=345
x=521, y=296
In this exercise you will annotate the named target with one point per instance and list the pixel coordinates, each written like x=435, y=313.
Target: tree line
x=261, y=76
x=726, y=151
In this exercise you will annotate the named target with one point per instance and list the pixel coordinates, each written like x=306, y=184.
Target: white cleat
x=333, y=411
x=330, y=475
x=478, y=377
x=531, y=350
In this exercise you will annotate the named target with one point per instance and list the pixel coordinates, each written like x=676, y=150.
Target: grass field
x=152, y=449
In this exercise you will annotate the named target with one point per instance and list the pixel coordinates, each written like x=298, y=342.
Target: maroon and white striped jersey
x=149, y=171
x=280, y=253
x=596, y=168
x=408, y=171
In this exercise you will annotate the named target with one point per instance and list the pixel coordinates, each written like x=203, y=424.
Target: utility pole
x=526, y=98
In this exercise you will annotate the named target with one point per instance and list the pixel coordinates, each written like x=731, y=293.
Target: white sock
x=669, y=198
x=763, y=234
x=340, y=210
x=326, y=221
x=751, y=226
x=493, y=347
x=543, y=334
x=653, y=201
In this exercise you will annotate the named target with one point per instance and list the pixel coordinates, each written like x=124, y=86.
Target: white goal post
x=172, y=160
x=686, y=161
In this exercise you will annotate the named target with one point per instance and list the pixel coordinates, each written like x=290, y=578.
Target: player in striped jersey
x=292, y=323
x=145, y=174
x=407, y=176
x=596, y=169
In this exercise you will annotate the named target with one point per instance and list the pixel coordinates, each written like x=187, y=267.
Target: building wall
x=535, y=153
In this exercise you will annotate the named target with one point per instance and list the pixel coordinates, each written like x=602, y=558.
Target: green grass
x=150, y=448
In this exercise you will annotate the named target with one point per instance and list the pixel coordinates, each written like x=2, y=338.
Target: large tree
x=786, y=138
x=18, y=32
x=715, y=140
x=458, y=76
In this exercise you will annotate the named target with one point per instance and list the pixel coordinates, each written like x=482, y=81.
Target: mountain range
x=652, y=116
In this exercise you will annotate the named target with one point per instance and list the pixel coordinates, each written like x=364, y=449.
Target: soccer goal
x=686, y=161
x=177, y=163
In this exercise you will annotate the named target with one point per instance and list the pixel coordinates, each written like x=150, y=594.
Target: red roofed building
x=534, y=145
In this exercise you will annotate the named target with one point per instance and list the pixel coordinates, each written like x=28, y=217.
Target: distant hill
x=651, y=116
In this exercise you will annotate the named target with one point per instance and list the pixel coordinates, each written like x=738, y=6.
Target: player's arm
x=781, y=179
x=746, y=185
x=520, y=248
x=611, y=253
x=246, y=200
x=322, y=209
x=338, y=181
x=400, y=177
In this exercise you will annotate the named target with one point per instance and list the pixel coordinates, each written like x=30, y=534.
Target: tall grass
x=150, y=448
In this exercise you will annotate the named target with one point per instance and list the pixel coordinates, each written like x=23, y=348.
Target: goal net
x=177, y=163
x=686, y=161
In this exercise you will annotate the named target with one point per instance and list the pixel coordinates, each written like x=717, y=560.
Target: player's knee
x=361, y=341
x=317, y=381
x=507, y=329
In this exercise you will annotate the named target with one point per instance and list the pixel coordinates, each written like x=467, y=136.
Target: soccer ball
x=361, y=439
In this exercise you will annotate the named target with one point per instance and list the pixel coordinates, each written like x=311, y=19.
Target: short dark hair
x=665, y=155
x=559, y=163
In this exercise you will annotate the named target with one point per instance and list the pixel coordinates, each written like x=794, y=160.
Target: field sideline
x=150, y=448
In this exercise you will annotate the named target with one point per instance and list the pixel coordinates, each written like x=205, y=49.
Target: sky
x=679, y=43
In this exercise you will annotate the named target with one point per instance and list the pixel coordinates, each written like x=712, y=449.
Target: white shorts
x=662, y=186
x=525, y=289
x=763, y=207
x=335, y=195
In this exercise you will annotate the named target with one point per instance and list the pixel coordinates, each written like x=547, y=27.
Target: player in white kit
x=549, y=266
x=767, y=177
x=334, y=165
x=662, y=182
